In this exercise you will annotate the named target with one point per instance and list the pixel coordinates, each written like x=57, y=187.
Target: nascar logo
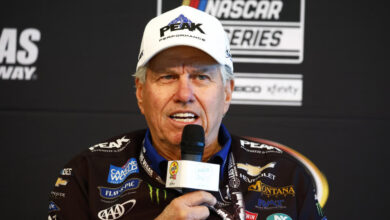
x=259, y=31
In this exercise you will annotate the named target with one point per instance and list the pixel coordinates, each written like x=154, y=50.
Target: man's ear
x=138, y=93
x=229, y=88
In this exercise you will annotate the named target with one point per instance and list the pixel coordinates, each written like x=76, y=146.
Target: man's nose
x=185, y=92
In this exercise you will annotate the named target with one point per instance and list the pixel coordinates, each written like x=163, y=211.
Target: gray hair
x=226, y=73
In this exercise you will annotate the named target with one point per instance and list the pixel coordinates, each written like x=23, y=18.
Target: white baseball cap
x=185, y=26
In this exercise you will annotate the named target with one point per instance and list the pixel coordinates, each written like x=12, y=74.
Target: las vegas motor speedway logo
x=260, y=31
x=18, y=53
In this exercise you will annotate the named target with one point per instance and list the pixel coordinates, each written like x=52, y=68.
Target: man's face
x=183, y=86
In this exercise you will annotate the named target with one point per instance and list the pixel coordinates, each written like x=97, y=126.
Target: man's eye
x=202, y=77
x=167, y=77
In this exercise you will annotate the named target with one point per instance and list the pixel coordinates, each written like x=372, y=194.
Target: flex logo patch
x=279, y=216
x=61, y=182
x=117, y=175
x=112, y=193
x=181, y=23
x=116, y=211
x=271, y=191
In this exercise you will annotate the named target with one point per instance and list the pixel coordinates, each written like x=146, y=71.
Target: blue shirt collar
x=220, y=157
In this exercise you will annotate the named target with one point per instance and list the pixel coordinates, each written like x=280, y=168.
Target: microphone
x=192, y=145
x=190, y=173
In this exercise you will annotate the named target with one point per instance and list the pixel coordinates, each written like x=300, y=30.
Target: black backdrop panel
x=83, y=93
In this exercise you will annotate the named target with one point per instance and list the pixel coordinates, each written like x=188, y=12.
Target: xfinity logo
x=181, y=23
x=268, y=89
x=18, y=53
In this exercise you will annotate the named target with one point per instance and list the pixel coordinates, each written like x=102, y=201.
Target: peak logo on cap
x=181, y=23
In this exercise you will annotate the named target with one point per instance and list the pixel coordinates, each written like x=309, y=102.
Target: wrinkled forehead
x=182, y=56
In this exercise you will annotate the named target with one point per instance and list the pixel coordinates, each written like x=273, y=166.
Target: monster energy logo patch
x=157, y=193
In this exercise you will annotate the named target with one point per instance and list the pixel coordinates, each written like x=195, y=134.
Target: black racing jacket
x=108, y=181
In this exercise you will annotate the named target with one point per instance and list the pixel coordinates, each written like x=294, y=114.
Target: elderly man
x=184, y=76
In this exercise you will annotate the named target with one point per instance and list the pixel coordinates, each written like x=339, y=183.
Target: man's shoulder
x=123, y=145
x=259, y=152
x=115, y=150
x=117, y=143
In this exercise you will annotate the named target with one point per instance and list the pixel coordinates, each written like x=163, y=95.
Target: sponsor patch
x=254, y=147
x=247, y=179
x=250, y=215
x=271, y=191
x=181, y=23
x=117, y=175
x=270, y=204
x=112, y=193
x=55, y=194
x=66, y=172
x=156, y=191
x=173, y=169
x=61, y=182
x=52, y=217
x=255, y=172
x=116, y=211
x=279, y=216
x=114, y=146
x=234, y=182
x=53, y=207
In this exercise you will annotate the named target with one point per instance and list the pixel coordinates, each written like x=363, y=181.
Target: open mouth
x=184, y=117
